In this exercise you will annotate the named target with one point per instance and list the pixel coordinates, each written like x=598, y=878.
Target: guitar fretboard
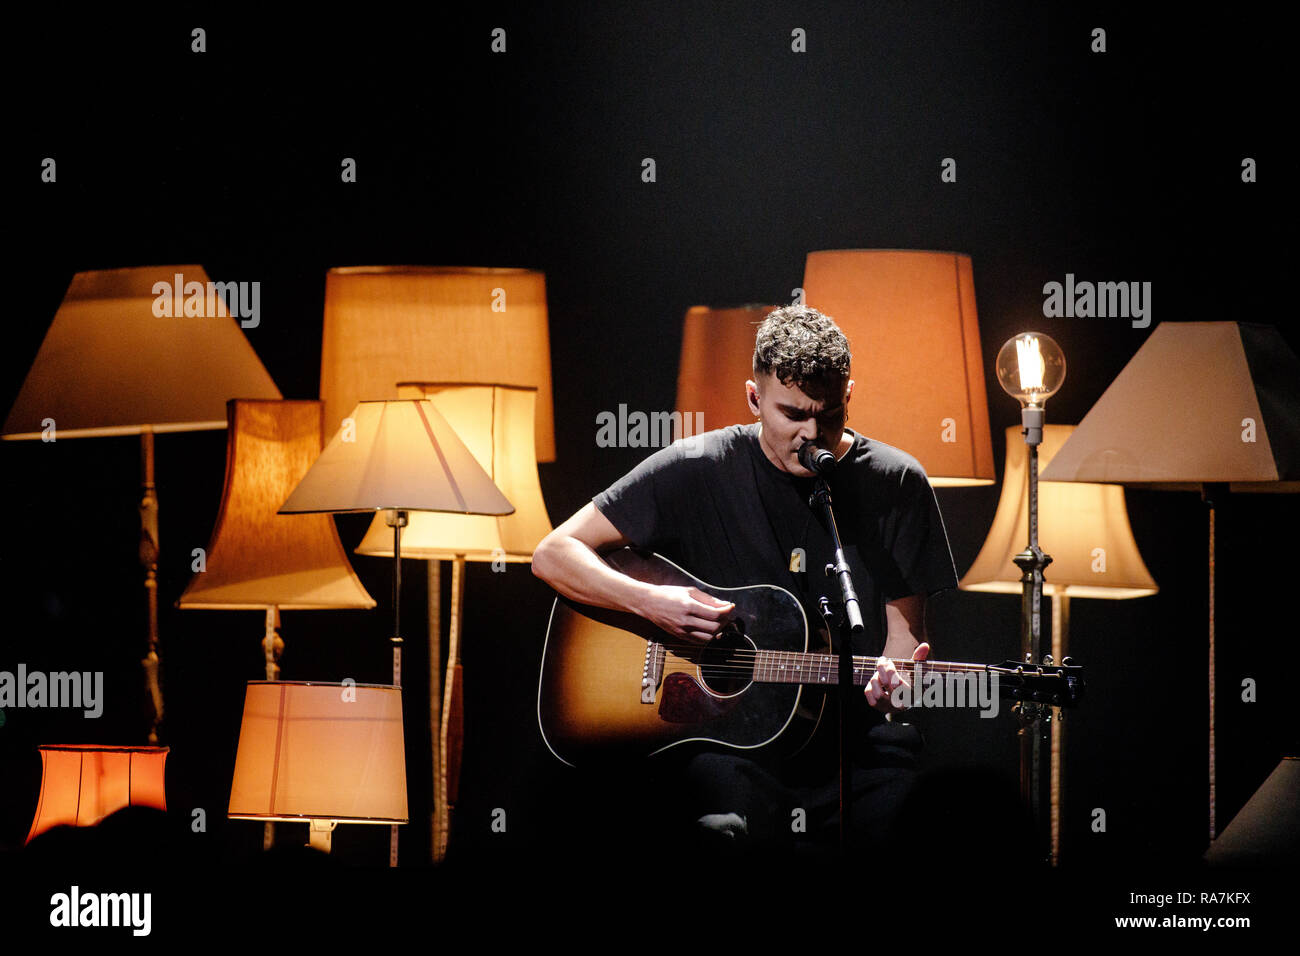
x=797, y=667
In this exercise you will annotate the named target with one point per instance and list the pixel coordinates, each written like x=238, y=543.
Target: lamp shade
x=1200, y=402
x=320, y=751
x=1084, y=527
x=109, y=365
x=82, y=784
x=256, y=557
x=717, y=359
x=398, y=455
x=1266, y=831
x=390, y=324
x=911, y=322
x=496, y=424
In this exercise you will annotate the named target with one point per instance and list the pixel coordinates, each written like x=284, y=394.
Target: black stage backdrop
x=1122, y=165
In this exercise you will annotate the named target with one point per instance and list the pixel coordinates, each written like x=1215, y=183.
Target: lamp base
x=321, y=834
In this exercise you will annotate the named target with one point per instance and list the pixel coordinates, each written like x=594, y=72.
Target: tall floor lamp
x=1085, y=528
x=496, y=424
x=116, y=363
x=396, y=456
x=258, y=559
x=1208, y=406
x=472, y=325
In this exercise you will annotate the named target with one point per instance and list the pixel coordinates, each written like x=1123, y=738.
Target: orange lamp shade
x=82, y=784
x=320, y=751
x=496, y=424
x=390, y=324
x=1082, y=525
x=717, y=359
x=910, y=319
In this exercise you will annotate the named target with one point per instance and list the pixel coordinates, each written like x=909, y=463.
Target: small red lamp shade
x=82, y=784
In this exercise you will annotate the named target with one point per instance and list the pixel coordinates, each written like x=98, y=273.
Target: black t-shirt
x=716, y=506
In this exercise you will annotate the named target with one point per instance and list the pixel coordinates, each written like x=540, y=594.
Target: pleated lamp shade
x=496, y=424
x=717, y=359
x=81, y=784
x=256, y=557
x=1084, y=527
x=320, y=751
x=390, y=324
x=1200, y=402
x=911, y=322
x=109, y=365
x=396, y=455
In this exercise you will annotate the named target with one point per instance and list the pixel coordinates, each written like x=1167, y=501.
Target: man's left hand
x=880, y=688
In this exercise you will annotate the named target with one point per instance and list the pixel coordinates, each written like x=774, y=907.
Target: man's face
x=789, y=417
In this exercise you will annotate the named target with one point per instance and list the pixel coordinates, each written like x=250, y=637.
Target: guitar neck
x=794, y=667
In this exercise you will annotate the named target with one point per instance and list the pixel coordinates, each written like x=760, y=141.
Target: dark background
x=1117, y=166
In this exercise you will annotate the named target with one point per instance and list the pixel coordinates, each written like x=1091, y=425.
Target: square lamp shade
x=910, y=320
x=1083, y=526
x=327, y=752
x=496, y=424
x=717, y=359
x=81, y=784
x=390, y=324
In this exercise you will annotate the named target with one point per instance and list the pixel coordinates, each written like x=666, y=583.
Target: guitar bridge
x=653, y=671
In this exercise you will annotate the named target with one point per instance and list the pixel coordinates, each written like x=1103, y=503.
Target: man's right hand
x=685, y=611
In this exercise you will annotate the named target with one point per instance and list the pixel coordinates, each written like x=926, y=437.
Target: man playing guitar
x=732, y=506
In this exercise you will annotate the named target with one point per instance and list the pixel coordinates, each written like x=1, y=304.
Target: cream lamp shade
x=1200, y=403
x=330, y=752
x=396, y=455
x=911, y=323
x=496, y=424
x=390, y=324
x=1084, y=527
x=717, y=359
x=257, y=558
x=81, y=784
x=111, y=365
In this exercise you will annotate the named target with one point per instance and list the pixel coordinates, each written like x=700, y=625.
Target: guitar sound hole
x=727, y=663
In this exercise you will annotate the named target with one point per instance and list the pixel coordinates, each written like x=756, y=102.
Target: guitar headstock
x=1060, y=685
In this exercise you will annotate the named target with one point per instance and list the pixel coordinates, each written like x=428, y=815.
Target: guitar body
x=613, y=684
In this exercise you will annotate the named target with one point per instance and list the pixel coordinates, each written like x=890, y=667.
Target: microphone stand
x=850, y=624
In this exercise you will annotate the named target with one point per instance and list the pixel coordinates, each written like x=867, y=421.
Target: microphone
x=816, y=459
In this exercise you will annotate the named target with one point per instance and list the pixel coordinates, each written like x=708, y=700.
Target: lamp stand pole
x=397, y=520
x=1033, y=716
x=1060, y=650
x=1213, y=494
x=148, y=552
x=452, y=734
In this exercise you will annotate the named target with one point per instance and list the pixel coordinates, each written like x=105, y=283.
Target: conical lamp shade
x=911, y=322
x=258, y=558
x=1266, y=831
x=1200, y=402
x=110, y=365
x=390, y=324
x=1084, y=527
x=717, y=359
x=496, y=424
x=83, y=784
x=396, y=455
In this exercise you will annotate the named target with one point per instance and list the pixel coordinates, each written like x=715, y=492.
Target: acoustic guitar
x=614, y=685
